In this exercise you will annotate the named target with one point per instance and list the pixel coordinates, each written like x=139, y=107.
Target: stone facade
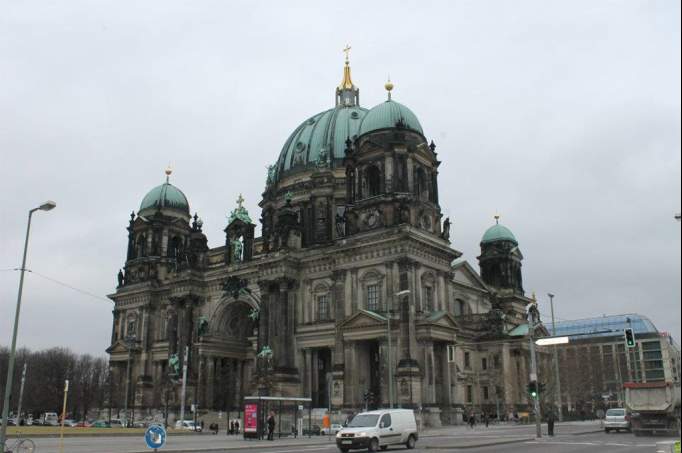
x=350, y=245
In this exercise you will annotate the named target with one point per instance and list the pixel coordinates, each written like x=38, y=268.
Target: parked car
x=311, y=431
x=117, y=423
x=379, y=429
x=616, y=419
x=49, y=419
x=332, y=430
x=187, y=425
x=70, y=423
x=84, y=424
x=100, y=424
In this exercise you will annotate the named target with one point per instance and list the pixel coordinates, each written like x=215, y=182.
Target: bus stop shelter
x=290, y=416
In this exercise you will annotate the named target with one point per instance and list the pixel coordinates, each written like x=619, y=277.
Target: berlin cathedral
x=353, y=288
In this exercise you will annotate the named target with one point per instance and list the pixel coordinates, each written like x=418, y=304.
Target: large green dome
x=165, y=196
x=326, y=131
x=388, y=115
x=498, y=232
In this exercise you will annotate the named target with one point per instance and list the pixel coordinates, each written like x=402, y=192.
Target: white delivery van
x=378, y=429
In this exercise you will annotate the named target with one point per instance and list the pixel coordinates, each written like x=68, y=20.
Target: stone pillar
x=410, y=174
x=338, y=372
x=264, y=318
x=210, y=382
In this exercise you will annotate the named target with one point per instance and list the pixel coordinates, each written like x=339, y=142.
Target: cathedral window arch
x=175, y=247
x=373, y=175
x=429, y=292
x=323, y=304
x=421, y=185
x=373, y=289
x=461, y=307
x=141, y=245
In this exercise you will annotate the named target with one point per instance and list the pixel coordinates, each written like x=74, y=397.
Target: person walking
x=486, y=419
x=550, y=423
x=236, y=427
x=271, y=426
x=472, y=420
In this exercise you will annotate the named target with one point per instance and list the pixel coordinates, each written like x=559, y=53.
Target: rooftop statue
x=240, y=212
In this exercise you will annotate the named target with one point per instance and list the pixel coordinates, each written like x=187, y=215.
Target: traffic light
x=541, y=387
x=629, y=338
x=533, y=389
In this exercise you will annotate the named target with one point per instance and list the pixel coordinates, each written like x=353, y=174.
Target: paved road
x=572, y=438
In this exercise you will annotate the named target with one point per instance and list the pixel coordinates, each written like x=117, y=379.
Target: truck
x=654, y=407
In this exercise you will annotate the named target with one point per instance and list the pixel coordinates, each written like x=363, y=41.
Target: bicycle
x=20, y=446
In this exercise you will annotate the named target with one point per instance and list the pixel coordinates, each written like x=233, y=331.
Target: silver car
x=616, y=419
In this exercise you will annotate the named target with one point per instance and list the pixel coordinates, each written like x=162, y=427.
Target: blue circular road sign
x=155, y=436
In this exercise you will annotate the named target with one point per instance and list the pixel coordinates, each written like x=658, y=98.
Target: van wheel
x=606, y=430
x=343, y=450
x=373, y=445
x=383, y=447
x=411, y=442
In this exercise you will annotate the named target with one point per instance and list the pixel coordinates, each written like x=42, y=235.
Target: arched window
x=461, y=307
x=141, y=245
x=421, y=186
x=175, y=247
x=323, y=307
x=373, y=181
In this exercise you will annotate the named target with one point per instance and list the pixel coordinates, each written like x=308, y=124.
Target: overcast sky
x=564, y=117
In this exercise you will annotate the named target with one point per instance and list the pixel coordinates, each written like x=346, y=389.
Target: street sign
x=155, y=436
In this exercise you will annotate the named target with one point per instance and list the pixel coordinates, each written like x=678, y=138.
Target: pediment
x=364, y=318
x=117, y=348
x=467, y=275
x=443, y=319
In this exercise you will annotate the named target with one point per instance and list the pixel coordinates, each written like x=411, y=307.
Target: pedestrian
x=271, y=426
x=236, y=427
x=550, y=423
x=231, y=427
x=202, y=425
x=472, y=420
x=486, y=419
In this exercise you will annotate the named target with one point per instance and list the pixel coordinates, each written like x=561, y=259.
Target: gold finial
x=497, y=219
x=169, y=171
x=389, y=86
x=240, y=201
x=346, y=50
x=346, y=83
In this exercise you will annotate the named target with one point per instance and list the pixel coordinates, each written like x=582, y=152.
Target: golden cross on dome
x=346, y=50
x=497, y=219
x=240, y=201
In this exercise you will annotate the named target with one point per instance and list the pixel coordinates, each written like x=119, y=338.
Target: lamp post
x=556, y=361
x=389, y=344
x=533, y=320
x=129, y=343
x=48, y=205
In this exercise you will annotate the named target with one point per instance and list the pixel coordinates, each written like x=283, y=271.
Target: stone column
x=264, y=317
x=210, y=382
x=410, y=174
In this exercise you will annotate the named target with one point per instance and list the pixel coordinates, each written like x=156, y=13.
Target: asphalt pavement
x=577, y=437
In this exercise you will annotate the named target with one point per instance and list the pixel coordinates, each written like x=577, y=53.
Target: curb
x=481, y=445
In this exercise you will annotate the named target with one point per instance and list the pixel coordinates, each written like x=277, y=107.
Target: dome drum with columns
x=352, y=233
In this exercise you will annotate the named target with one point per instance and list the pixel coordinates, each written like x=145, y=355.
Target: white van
x=379, y=429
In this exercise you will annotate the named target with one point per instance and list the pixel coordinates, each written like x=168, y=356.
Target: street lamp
x=47, y=206
x=130, y=343
x=388, y=336
x=556, y=361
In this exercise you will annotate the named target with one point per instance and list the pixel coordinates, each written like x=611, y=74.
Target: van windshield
x=615, y=412
x=364, y=421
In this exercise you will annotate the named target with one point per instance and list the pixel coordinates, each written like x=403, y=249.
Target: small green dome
x=319, y=138
x=498, y=233
x=387, y=115
x=165, y=196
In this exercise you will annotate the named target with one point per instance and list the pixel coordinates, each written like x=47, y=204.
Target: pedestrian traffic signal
x=629, y=338
x=533, y=389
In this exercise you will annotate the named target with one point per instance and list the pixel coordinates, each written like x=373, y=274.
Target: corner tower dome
x=166, y=197
x=320, y=140
x=498, y=232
